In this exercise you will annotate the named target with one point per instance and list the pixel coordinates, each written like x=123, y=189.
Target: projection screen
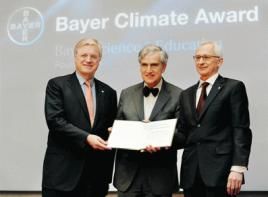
x=37, y=39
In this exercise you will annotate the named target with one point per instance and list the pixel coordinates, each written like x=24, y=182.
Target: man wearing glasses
x=79, y=109
x=214, y=117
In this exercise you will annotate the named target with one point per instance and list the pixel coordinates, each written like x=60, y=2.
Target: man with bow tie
x=153, y=171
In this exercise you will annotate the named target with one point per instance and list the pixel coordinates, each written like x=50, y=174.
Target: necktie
x=89, y=101
x=147, y=91
x=202, y=98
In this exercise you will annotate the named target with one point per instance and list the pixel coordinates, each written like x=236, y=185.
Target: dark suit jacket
x=162, y=168
x=69, y=125
x=220, y=137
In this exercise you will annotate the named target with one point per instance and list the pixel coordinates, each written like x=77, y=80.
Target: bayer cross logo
x=25, y=26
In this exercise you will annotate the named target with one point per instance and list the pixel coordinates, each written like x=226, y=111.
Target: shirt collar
x=82, y=80
x=211, y=80
x=159, y=85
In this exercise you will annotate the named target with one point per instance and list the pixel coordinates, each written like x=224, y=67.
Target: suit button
x=198, y=125
x=198, y=143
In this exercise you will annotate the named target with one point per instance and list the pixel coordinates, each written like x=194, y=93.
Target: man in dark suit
x=218, y=137
x=152, y=172
x=79, y=109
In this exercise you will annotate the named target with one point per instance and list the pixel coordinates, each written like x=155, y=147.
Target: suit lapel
x=78, y=92
x=162, y=99
x=99, y=101
x=138, y=101
x=192, y=98
x=216, y=88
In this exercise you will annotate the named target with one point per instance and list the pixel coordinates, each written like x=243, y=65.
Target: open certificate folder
x=136, y=135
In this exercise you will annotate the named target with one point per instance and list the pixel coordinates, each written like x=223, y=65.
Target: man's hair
x=216, y=47
x=88, y=42
x=151, y=49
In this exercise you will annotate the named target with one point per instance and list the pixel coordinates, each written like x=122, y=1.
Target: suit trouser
x=86, y=187
x=199, y=189
x=140, y=187
x=78, y=192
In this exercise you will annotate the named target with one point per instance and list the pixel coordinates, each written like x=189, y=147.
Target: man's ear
x=164, y=68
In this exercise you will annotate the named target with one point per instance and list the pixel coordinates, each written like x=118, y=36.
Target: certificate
x=136, y=135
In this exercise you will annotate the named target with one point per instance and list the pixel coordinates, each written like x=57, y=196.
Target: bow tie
x=147, y=91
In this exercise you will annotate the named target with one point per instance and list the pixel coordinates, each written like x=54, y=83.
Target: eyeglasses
x=91, y=57
x=205, y=57
x=150, y=67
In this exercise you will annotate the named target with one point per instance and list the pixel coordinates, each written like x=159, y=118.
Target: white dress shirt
x=149, y=101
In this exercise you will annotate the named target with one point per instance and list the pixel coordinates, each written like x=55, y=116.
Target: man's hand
x=234, y=183
x=97, y=142
x=109, y=129
x=151, y=149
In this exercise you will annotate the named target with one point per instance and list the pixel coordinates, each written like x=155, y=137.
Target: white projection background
x=36, y=44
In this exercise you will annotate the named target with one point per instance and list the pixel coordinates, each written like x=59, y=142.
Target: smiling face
x=151, y=69
x=207, y=62
x=87, y=59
